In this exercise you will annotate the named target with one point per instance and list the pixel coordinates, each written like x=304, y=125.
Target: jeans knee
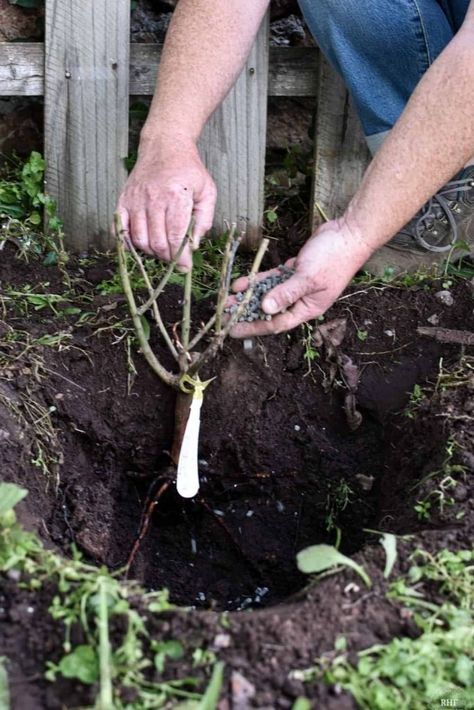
x=321, y=14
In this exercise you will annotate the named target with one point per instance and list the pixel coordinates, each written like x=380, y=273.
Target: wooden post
x=233, y=145
x=86, y=113
x=341, y=154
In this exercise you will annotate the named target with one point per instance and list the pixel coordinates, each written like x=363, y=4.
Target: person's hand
x=167, y=186
x=323, y=268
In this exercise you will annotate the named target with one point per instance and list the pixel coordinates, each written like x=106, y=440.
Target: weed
x=91, y=598
x=423, y=509
x=206, y=271
x=23, y=204
x=337, y=501
x=463, y=269
x=419, y=278
x=460, y=376
x=414, y=674
x=441, y=495
x=39, y=301
x=35, y=419
x=321, y=558
x=416, y=398
x=310, y=352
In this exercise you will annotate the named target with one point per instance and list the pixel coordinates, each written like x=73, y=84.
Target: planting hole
x=280, y=467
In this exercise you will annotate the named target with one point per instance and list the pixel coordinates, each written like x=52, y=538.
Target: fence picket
x=86, y=113
x=233, y=144
x=341, y=154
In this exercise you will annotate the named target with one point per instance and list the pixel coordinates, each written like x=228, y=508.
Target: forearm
x=432, y=140
x=206, y=46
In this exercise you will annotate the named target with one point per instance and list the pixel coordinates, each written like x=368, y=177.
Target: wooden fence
x=87, y=69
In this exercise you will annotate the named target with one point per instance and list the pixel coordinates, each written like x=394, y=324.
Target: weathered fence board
x=86, y=113
x=292, y=71
x=233, y=143
x=21, y=69
x=341, y=154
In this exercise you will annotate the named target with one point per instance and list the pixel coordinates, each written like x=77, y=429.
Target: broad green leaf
x=35, y=218
x=166, y=649
x=302, y=704
x=389, y=544
x=465, y=671
x=82, y=664
x=211, y=696
x=51, y=259
x=11, y=210
x=173, y=649
x=320, y=558
x=10, y=496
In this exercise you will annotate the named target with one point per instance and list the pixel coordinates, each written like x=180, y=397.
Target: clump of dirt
x=280, y=466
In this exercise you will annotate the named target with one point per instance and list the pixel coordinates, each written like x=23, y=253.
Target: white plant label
x=187, y=482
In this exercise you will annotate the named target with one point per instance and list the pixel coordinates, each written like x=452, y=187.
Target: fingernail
x=270, y=306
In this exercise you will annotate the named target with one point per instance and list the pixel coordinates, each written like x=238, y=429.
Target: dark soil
x=280, y=469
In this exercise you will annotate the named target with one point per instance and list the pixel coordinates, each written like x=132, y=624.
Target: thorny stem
x=159, y=289
x=205, y=329
x=167, y=377
x=218, y=340
x=221, y=298
x=154, y=305
x=188, y=361
x=232, y=246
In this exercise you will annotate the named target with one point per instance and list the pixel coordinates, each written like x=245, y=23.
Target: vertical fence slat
x=86, y=113
x=233, y=144
x=341, y=154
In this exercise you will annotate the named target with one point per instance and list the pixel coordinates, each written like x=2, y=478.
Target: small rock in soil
x=222, y=641
x=365, y=482
x=434, y=319
x=446, y=297
x=242, y=691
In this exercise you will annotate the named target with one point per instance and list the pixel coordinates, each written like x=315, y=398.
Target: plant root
x=150, y=505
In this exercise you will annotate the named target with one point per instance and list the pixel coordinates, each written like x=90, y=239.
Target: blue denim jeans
x=382, y=49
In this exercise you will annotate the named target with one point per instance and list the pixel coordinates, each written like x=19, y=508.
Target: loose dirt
x=280, y=469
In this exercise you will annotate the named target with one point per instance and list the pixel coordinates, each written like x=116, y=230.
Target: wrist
x=360, y=231
x=156, y=140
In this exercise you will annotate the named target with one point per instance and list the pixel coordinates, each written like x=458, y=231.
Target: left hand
x=323, y=268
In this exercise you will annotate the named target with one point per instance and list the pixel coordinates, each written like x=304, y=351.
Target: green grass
x=443, y=278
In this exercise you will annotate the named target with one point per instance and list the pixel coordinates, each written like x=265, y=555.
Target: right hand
x=168, y=185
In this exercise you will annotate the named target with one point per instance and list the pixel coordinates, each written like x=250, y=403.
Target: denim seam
x=425, y=34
